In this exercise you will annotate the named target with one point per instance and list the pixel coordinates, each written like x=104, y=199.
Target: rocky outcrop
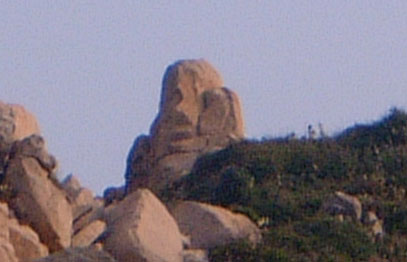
x=210, y=226
x=344, y=205
x=197, y=115
x=140, y=228
x=37, y=198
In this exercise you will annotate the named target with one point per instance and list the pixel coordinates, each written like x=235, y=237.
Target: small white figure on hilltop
x=312, y=134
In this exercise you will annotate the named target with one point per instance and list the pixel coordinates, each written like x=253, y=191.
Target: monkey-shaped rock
x=34, y=146
x=197, y=115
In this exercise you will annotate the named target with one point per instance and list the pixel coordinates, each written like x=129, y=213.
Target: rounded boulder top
x=193, y=75
x=16, y=122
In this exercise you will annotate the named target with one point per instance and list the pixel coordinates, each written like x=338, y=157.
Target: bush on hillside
x=281, y=183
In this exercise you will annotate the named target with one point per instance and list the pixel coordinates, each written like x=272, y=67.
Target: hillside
x=283, y=183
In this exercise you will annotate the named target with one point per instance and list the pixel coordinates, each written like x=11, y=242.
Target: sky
x=91, y=71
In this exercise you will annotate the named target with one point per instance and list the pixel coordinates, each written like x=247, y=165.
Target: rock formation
x=197, y=115
x=44, y=220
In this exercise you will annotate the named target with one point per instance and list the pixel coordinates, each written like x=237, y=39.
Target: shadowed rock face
x=197, y=115
x=37, y=198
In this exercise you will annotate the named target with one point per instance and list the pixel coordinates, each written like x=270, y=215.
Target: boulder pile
x=45, y=220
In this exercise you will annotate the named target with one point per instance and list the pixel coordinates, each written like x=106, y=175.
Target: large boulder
x=37, y=199
x=16, y=122
x=197, y=115
x=140, y=229
x=210, y=226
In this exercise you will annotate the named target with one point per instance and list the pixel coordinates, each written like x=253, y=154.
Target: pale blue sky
x=91, y=70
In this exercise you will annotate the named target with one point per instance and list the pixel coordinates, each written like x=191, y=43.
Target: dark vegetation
x=281, y=184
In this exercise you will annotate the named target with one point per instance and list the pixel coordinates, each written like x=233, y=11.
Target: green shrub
x=244, y=252
x=346, y=238
x=396, y=222
x=234, y=187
